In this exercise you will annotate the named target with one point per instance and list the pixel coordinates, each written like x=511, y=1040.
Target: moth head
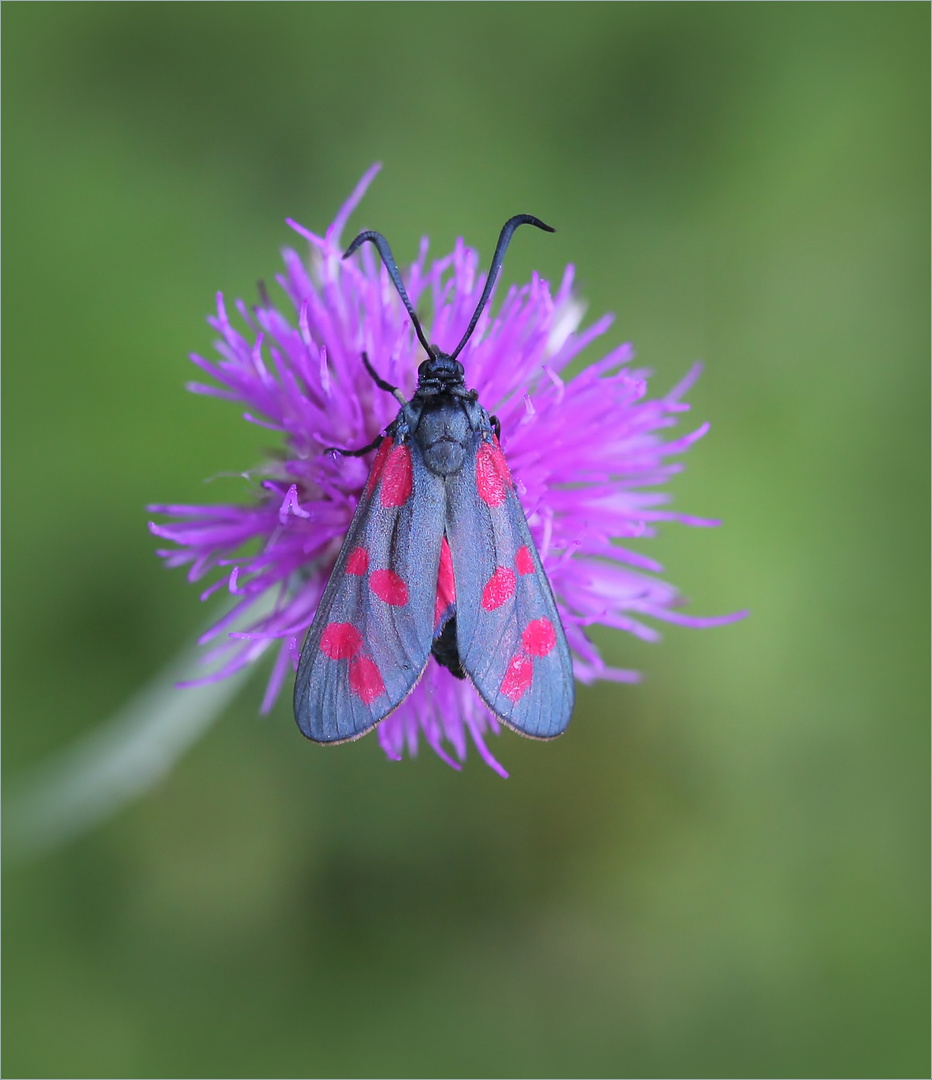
x=439, y=365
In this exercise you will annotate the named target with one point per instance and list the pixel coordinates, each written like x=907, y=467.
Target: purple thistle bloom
x=582, y=449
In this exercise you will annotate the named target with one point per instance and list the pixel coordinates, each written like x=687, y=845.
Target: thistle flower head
x=587, y=452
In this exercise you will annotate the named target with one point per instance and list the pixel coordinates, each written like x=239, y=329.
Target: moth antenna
x=504, y=238
x=391, y=266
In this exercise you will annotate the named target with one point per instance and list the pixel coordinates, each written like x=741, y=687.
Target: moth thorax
x=445, y=435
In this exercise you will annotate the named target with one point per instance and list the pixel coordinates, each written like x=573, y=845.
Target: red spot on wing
x=340, y=641
x=539, y=637
x=388, y=586
x=524, y=560
x=358, y=562
x=517, y=680
x=365, y=679
x=499, y=588
x=377, y=466
x=446, y=586
x=492, y=476
x=396, y=479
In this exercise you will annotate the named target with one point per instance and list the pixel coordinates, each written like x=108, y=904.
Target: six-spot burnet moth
x=438, y=561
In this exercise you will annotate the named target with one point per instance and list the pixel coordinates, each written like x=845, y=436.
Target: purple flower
x=586, y=453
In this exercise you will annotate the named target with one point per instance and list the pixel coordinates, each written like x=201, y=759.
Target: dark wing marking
x=511, y=642
x=372, y=633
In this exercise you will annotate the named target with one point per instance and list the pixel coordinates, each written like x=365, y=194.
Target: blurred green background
x=722, y=871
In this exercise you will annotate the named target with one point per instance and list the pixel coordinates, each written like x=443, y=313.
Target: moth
x=438, y=561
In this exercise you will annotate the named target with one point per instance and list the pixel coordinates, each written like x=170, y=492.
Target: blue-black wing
x=371, y=636
x=509, y=636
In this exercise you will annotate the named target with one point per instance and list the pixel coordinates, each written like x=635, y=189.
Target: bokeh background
x=722, y=871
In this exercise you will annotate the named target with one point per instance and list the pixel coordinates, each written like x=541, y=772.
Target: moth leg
x=354, y=453
x=381, y=383
x=496, y=426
